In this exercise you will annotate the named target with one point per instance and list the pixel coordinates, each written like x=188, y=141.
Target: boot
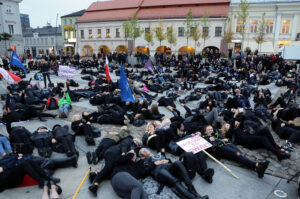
x=66, y=162
x=208, y=174
x=93, y=189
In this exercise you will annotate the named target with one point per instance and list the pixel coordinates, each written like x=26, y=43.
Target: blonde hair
x=223, y=129
x=76, y=117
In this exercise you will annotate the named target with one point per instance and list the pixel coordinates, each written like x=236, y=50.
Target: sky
x=43, y=11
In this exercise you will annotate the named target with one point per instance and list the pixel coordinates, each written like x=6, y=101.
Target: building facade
x=10, y=23
x=69, y=31
x=100, y=29
x=25, y=22
x=282, y=27
x=43, y=40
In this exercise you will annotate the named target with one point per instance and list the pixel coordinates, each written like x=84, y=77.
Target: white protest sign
x=194, y=144
x=66, y=72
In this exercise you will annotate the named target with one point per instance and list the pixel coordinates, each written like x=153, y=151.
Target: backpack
x=52, y=103
x=20, y=140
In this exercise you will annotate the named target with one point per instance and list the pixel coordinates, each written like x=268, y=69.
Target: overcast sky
x=43, y=11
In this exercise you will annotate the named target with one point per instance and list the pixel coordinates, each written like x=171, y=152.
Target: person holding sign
x=64, y=104
x=225, y=149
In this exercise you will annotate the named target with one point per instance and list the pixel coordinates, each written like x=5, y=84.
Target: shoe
x=94, y=158
x=92, y=176
x=89, y=157
x=288, y=146
x=260, y=171
x=69, y=153
x=126, y=120
x=42, y=120
x=264, y=164
x=283, y=155
x=93, y=189
x=61, y=115
x=208, y=174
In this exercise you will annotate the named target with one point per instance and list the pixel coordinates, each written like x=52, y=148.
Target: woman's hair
x=154, y=109
x=223, y=129
x=149, y=124
x=76, y=117
x=145, y=104
x=206, y=127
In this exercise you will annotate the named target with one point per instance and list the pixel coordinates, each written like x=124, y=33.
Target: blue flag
x=16, y=61
x=126, y=94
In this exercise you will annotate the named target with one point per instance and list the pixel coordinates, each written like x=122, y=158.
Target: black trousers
x=109, y=160
x=232, y=152
x=103, y=146
x=46, y=74
x=291, y=134
x=67, y=143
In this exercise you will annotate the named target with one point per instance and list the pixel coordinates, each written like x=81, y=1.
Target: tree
x=205, y=27
x=5, y=37
x=243, y=15
x=171, y=36
x=260, y=37
x=228, y=34
x=196, y=34
x=149, y=36
x=189, y=25
x=160, y=32
x=132, y=28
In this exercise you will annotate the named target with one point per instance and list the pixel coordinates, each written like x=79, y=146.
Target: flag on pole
x=126, y=94
x=149, y=66
x=107, y=71
x=9, y=77
x=16, y=61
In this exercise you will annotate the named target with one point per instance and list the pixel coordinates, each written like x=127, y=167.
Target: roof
x=265, y=1
x=152, y=9
x=44, y=31
x=75, y=14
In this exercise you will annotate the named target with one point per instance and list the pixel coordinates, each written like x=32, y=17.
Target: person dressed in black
x=170, y=174
x=61, y=134
x=80, y=127
x=45, y=68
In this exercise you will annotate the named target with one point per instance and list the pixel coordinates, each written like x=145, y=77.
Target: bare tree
x=243, y=15
x=196, y=34
x=171, y=36
x=160, y=32
x=260, y=37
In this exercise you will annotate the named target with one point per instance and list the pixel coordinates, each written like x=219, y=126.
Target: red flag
x=107, y=71
x=9, y=77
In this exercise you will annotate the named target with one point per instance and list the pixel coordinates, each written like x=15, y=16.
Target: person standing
x=45, y=68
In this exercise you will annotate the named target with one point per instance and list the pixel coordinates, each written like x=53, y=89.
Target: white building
x=10, y=23
x=100, y=28
x=282, y=24
x=43, y=40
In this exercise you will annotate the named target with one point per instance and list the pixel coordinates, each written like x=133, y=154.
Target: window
x=42, y=40
x=8, y=9
x=118, y=32
x=99, y=35
x=286, y=26
x=269, y=27
x=65, y=21
x=218, y=31
x=90, y=34
x=205, y=31
x=11, y=29
x=38, y=41
x=253, y=27
x=192, y=30
x=52, y=41
x=147, y=30
x=66, y=34
x=181, y=32
x=71, y=21
x=46, y=41
x=71, y=34
x=82, y=34
x=239, y=26
x=107, y=33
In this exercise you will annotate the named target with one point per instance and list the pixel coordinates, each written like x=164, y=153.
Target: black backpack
x=52, y=103
x=20, y=140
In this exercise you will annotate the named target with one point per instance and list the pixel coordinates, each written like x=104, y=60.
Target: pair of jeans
x=46, y=74
x=65, y=108
x=4, y=145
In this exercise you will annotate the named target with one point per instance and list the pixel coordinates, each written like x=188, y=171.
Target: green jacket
x=122, y=134
x=65, y=100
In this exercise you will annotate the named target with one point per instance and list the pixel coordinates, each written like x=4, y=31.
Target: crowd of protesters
x=235, y=107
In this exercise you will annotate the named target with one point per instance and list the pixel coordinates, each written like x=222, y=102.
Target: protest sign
x=194, y=144
x=66, y=72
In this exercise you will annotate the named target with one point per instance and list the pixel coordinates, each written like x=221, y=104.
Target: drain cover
x=280, y=194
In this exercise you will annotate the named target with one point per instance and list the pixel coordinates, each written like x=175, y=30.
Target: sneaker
x=283, y=155
x=126, y=120
x=89, y=157
x=288, y=146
